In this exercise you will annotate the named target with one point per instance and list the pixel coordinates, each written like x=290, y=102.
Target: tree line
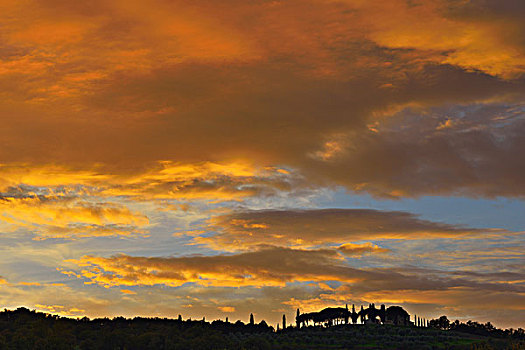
x=29, y=329
x=473, y=327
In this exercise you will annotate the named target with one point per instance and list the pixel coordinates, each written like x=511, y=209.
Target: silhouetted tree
x=444, y=323
x=397, y=315
x=252, y=321
x=441, y=323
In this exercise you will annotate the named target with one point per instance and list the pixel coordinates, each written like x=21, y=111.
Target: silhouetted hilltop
x=26, y=329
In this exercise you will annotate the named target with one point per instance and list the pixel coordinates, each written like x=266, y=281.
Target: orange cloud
x=127, y=291
x=460, y=34
x=175, y=67
x=352, y=249
x=308, y=228
x=226, y=308
x=29, y=284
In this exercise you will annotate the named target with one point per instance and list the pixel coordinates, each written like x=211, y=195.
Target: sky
x=220, y=158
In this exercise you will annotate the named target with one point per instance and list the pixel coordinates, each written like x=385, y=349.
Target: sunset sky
x=221, y=158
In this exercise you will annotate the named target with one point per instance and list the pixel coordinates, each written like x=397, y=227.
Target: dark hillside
x=25, y=329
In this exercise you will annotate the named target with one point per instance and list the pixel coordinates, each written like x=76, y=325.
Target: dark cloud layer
x=296, y=90
x=244, y=230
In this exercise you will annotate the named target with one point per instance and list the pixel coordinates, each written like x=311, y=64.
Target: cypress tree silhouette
x=284, y=321
x=252, y=322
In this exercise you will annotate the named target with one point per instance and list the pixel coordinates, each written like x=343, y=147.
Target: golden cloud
x=60, y=310
x=60, y=202
x=158, y=180
x=272, y=266
x=275, y=266
x=51, y=216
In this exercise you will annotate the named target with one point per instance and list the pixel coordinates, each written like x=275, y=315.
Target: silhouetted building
x=333, y=316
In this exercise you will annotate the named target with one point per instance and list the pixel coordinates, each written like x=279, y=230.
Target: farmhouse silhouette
x=332, y=316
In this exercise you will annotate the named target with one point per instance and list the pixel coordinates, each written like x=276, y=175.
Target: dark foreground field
x=24, y=329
